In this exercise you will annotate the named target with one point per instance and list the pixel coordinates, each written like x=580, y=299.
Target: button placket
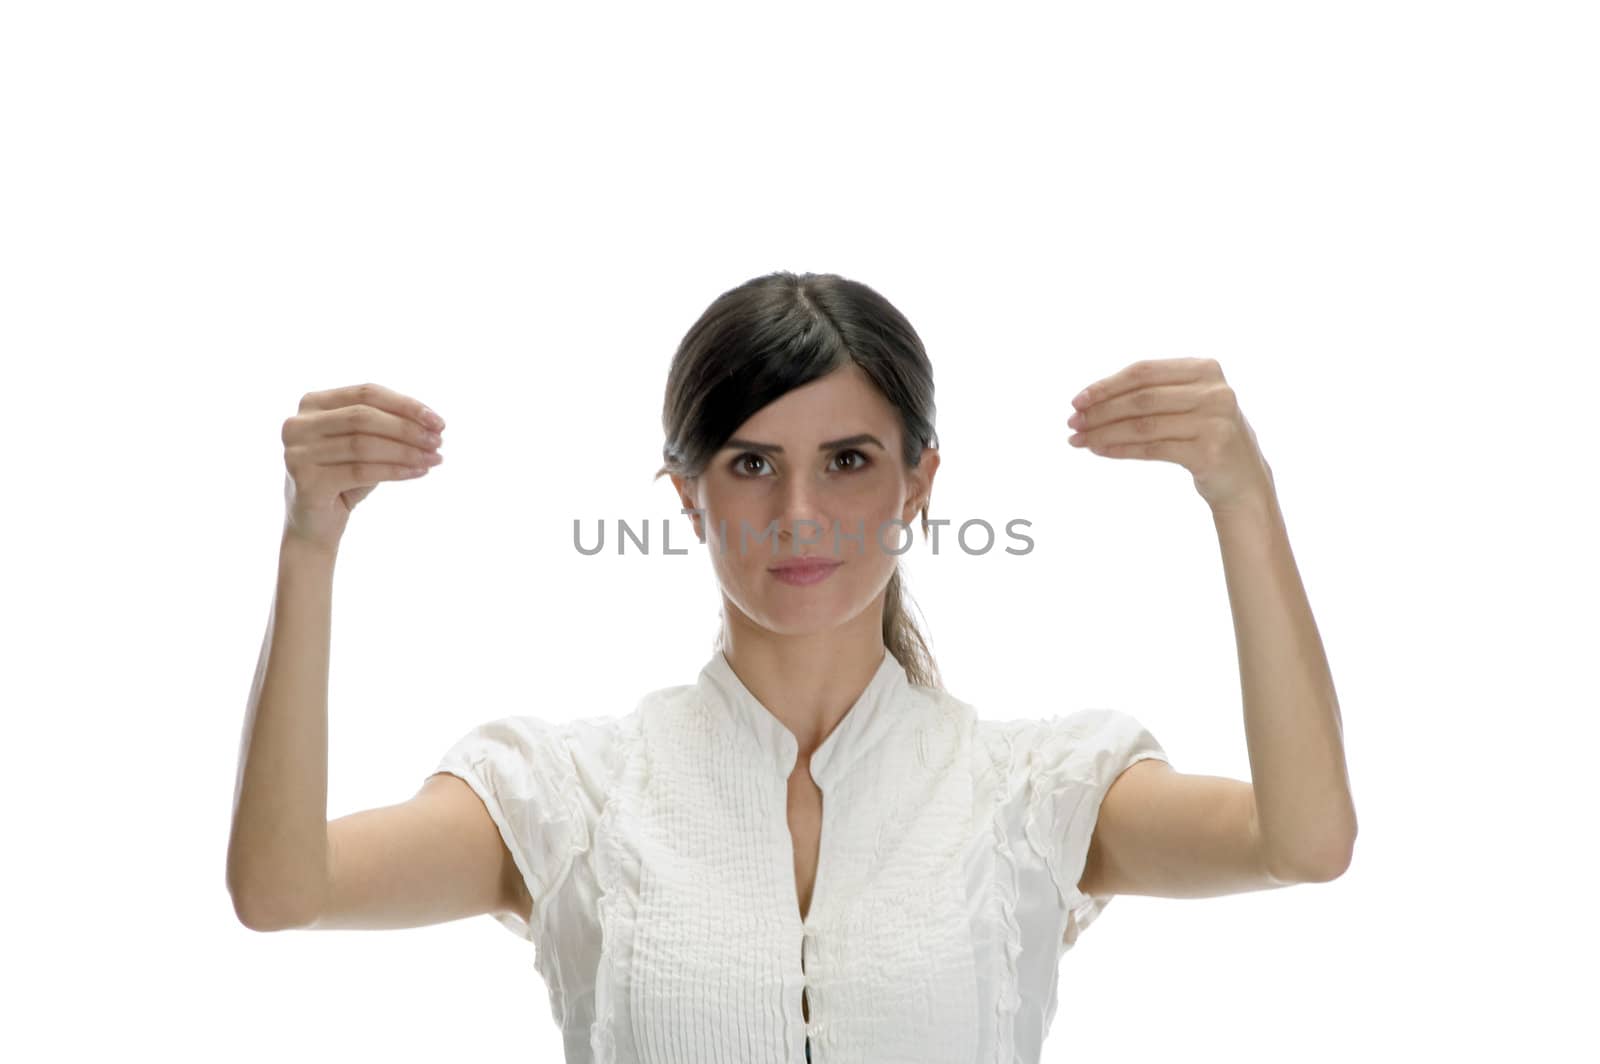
x=806, y=949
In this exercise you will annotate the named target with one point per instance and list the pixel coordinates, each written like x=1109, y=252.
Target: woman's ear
x=687, y=489
x=920, y=490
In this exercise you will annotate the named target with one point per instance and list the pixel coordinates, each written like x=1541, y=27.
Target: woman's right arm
x=277, y=851
x=437, y=856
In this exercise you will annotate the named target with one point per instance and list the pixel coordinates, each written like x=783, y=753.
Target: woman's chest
x=740, y=917
x=805, y=832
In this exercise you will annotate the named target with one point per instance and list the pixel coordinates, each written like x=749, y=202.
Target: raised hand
x=341, y=444
x=1176, y=410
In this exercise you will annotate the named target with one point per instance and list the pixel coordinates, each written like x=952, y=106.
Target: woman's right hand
x=341, y=445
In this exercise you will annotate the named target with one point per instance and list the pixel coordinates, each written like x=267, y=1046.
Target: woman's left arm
x=1183, y=411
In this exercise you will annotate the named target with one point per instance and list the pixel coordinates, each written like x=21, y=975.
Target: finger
x=374, y=395
x=358, y=420
x=1142, y=429
x=1158, y=399
x=337, y=478
x=1143, y=374
x=361, y=447
x=1178, y=451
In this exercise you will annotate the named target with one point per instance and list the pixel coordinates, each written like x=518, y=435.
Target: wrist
x=294, y=548
x=1255, y=508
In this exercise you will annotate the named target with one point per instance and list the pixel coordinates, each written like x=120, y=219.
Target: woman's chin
x=802, y=611
x=805, y=618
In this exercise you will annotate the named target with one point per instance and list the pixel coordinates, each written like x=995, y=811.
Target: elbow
x=1326, y=871
x=1341, y=862
x=266, y=900
x=1323, y=866
x=1327, y=856
x=261, y=909
x=248, y=913
x=262, y=915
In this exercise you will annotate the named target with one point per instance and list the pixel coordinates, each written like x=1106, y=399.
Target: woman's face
x=815, y=473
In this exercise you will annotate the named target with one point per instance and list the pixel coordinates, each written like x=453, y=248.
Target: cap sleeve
x=522, y=768
x=1072, y=763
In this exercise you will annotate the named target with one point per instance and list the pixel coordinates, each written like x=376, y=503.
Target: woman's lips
x=804, y=573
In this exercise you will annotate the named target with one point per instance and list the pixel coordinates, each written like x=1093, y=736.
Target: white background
x=1380, y=217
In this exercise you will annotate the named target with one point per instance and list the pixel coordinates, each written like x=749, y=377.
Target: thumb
x=355, y=495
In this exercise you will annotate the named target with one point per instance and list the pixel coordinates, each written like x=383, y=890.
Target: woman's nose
x=802, y=519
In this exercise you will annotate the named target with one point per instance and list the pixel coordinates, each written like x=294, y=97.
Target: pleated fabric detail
x=657, y=851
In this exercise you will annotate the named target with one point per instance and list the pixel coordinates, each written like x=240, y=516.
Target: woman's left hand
x=1176, y=410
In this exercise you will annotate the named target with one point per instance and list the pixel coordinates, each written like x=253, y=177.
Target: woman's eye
x=741, y=463
x=861, y=462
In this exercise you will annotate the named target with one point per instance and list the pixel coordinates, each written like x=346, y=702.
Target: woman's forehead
x=843, y=403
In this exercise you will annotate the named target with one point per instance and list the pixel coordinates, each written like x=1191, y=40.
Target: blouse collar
x=875, y=713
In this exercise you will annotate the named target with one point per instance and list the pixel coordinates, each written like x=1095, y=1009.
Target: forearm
x=1291, y=712
x=277, y=849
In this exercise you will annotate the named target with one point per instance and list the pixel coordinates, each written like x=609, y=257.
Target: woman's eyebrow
x=773, y=448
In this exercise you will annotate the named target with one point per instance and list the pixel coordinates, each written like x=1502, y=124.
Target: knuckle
x=1144, y=400
x=359, y=447
x=1143, y=425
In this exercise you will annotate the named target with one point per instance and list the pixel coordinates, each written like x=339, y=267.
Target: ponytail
x=904, y=638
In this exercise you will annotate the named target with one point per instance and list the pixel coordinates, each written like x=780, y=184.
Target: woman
x=813, y=851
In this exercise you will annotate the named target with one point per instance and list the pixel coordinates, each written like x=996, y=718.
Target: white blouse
x=665, y=920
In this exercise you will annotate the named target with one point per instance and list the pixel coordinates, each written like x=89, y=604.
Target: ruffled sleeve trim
x=1008, y=1000
x=1071, y=765
x=522, y=769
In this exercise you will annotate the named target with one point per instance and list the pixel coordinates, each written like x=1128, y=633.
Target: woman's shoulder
x=536, y=740
x=1069, y=739
x=596, y=735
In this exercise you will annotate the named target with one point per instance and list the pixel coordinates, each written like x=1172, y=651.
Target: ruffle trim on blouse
x=1052, y=801
x=471, y=773
x=1069, y=769
x=608, y=874
x=1009, y=1000
x=522, y=770
x=559, y=759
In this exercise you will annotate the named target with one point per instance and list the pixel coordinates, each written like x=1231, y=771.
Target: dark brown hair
x=774, y=333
